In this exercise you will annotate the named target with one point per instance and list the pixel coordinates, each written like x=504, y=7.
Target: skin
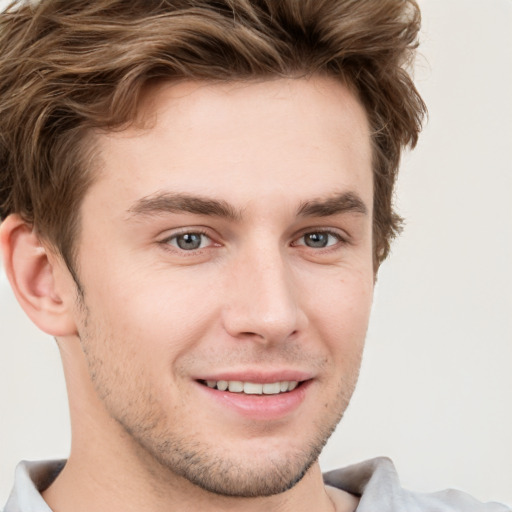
x=271, y=165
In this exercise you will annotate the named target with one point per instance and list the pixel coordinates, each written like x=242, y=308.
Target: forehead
x=239, y=140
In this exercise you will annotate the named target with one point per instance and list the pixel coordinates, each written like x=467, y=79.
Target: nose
x=263, y=299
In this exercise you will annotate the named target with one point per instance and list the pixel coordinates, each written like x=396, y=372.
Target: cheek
x=341, y=314
x=154, y=319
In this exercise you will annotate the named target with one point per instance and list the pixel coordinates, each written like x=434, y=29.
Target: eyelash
x=167, y=241
x=336, y=235
x=340, y=239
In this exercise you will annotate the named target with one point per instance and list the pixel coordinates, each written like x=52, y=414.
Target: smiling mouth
x=252, y=388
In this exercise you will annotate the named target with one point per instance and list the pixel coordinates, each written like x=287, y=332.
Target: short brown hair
x=68, y=67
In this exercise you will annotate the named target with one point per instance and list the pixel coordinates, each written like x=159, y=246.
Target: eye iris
x=316, y=239
x=189, y=241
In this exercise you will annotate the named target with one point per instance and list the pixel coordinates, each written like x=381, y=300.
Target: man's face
x=228, y=243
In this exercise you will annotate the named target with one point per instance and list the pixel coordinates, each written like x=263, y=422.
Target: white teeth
x=236, y=386
x=272, y=388
x=250, y=388
x=253, y=388
x=222, y=385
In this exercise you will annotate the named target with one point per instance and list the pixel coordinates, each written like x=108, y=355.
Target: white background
x=435, y=392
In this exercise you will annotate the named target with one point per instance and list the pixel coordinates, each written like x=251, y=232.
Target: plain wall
x=435, y=391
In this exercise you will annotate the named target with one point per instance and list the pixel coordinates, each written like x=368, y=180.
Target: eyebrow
x=165, y=202
x=345, y=202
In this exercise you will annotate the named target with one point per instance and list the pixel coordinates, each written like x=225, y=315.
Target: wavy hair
x=69, y=67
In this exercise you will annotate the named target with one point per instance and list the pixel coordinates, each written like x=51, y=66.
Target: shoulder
x=376, y=481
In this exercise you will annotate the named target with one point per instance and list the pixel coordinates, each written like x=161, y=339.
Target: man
x=196, y=198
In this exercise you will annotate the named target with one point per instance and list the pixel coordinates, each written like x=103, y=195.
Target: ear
x=37, y=278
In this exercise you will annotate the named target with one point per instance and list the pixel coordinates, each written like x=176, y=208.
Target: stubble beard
x=231, y=476
x=167, y=454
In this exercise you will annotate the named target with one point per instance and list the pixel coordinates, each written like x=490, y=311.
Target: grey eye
x=189, y=241
x=316, y=239
x=319, y=239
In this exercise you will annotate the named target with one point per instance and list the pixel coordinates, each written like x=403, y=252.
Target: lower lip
x=260, y=407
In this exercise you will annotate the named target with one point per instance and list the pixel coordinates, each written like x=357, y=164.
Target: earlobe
x=34, y=277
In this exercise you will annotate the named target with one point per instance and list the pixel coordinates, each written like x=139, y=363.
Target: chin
x=259, y=470
x=234, y=478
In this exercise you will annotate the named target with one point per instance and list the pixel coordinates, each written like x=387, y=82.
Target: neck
x=108, y=471
x=81, y=488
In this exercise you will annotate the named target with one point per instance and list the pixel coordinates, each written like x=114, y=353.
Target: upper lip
x=258, y=376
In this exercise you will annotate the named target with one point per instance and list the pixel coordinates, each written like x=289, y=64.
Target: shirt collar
x=31, y=478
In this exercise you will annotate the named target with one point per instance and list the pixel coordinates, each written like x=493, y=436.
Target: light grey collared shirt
x=375, y=481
